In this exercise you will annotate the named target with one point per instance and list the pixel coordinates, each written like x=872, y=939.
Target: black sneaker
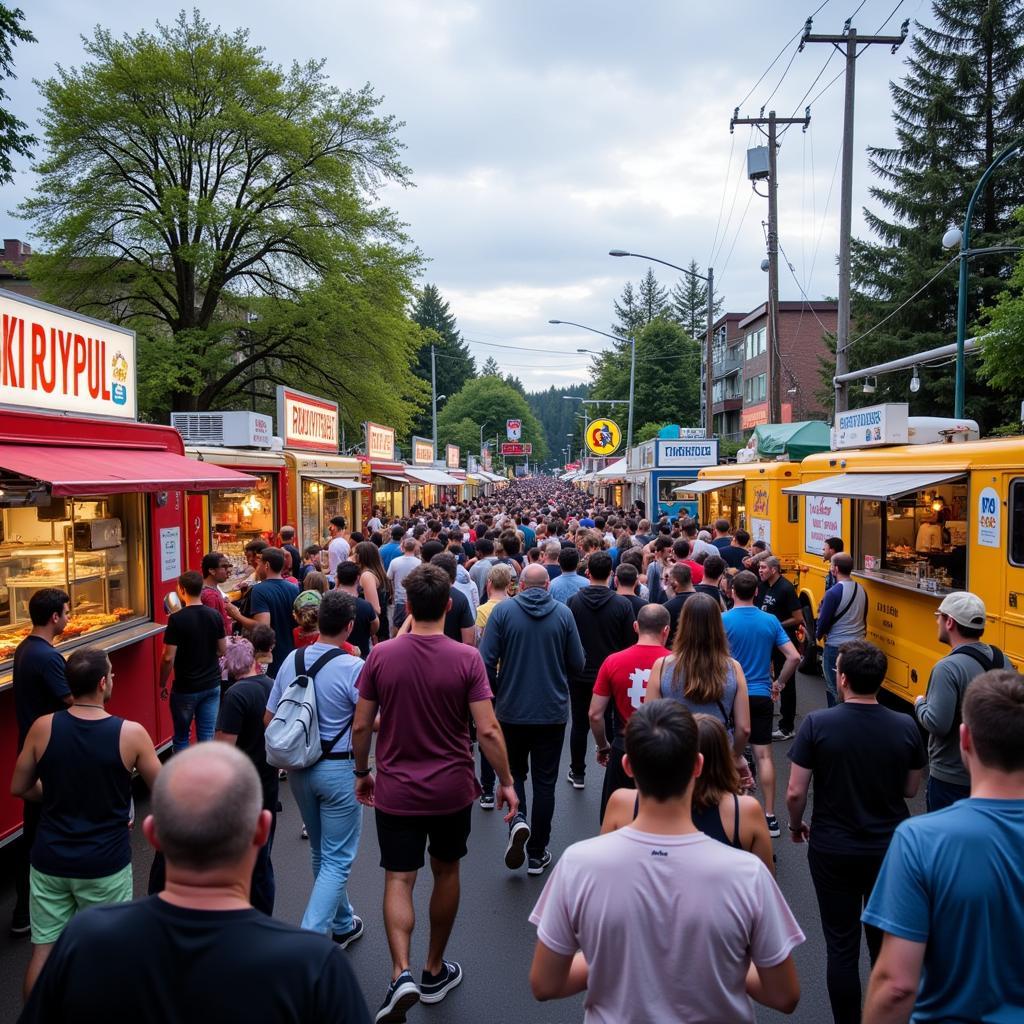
x=487, y=801
x=518, y=836
x=345, y=939
x=434, y=987
x=537, y=865
x=402, y=994
x=576, y=780
x=773, y=826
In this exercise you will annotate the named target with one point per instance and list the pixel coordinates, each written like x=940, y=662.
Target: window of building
x=1017, y=522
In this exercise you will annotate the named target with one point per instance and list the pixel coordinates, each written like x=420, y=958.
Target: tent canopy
x=797, y=440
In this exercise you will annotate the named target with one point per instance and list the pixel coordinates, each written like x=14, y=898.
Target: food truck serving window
x=240, y=515
x=94, y=549
x=918, y=538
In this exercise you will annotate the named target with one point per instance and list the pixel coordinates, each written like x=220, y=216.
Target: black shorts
x=403, y=838
x=762, y=712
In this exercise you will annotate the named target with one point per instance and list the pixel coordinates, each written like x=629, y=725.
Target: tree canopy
x=488, y=401
x=227, y=210
x=454, y=364
x=14, y=137
x=960, y=103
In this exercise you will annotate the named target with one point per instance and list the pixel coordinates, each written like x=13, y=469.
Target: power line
x=907, y=302
x=887, y=20
x=721, y=204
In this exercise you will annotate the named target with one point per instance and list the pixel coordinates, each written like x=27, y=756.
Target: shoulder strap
x=998, y=659
x=736, y=841
x=324, y=658
x=846, y=607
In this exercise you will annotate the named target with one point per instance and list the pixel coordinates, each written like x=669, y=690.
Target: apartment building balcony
x=726, y=366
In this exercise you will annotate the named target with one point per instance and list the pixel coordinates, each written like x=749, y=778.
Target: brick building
x=12, y=257
x=740, y=365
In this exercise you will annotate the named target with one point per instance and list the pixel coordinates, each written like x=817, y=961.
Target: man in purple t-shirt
x=422, y=682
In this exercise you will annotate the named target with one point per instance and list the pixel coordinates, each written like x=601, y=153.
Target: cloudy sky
x=543, y=133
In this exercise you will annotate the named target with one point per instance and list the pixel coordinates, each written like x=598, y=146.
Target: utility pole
x=774, y=369
x=433, y=396
x=850, y=40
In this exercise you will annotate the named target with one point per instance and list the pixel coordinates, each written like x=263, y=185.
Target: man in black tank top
x=78, y=763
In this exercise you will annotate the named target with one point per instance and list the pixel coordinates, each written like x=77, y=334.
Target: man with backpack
x=960, y=622
x=842, y=618
x=317, y=685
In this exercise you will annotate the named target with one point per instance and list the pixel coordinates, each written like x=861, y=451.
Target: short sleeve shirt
x=624, y=676
x=241, y=714
x=277, y=597
x=459, y=616
x=954, y=881
x=753, y=635
x=685, y=914
x=39, y=683
x=213, y=598
x=423, y=686
x=194, y=632
x=860, y=755
x=780, y=599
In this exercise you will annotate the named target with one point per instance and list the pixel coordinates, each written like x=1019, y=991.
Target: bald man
x=215, y=950
x=530, y=647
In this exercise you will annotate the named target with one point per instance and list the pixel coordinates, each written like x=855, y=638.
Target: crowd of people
x=434, y=663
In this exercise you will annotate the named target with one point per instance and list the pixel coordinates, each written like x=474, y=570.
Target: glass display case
x=93, y=549
x=237, y=517
x=727, y=503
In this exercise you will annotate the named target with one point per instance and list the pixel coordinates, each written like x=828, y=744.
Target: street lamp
x=710, y=280
x=632, y=371
x=966, y=252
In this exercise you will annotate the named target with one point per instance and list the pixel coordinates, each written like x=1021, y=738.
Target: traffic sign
x=603, y=436
x=516, y=448
x=514, y=429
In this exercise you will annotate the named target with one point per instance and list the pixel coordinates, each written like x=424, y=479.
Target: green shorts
x=53, y=901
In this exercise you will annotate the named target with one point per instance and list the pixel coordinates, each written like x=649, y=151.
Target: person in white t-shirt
x=657, y=921
x=338, y=549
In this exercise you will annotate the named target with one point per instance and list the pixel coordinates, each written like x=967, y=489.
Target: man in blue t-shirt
x=950, y=896
x=754, y=636
x=393, y=548
x=568, y=582
x=271, y=605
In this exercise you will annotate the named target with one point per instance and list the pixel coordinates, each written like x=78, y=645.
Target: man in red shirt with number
x=623, y=677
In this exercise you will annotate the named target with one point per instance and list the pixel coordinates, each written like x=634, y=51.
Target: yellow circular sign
x=603, y=436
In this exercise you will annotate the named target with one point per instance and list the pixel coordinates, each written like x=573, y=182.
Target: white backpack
x=292, y=736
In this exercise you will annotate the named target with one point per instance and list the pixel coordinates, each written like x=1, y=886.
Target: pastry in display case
x=92, y=549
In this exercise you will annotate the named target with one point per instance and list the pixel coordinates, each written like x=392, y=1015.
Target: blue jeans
x=203, y=707
x=326, y=795
x=828, y=665
x=939, y=794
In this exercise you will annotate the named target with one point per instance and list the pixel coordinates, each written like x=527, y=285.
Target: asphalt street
x=493, y=940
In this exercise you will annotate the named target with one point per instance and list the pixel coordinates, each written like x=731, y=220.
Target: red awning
x=73, y=471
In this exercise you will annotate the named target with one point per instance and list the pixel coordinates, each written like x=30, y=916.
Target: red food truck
x=92, y=502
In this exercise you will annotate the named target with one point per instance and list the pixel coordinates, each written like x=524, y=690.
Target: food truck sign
x=53, y=360
x=451, y=456
x=422, y=451
x=823, y=518
x=306, y=422
x=871, y=427
x=380, y=442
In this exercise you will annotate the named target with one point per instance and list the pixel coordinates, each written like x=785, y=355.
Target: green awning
x=797, y=440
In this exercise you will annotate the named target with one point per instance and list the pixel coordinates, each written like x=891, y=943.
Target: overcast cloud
x=542, y=133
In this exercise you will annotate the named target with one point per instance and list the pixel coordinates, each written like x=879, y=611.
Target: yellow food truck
x=920, y=520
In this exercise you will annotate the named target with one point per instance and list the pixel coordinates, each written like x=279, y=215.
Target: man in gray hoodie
x=530, y=647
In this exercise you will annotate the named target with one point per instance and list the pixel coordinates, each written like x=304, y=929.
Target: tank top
x=709, y=821
x=720, y=709
x=83, y=831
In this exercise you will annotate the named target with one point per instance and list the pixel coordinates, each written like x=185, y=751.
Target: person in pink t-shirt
x=675, y=935
x=425, y=686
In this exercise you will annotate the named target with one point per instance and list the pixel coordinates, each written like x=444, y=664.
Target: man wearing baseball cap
x=961, y=621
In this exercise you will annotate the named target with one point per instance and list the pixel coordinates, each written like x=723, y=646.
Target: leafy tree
x=13, y=135
x=667, y=386
x=453, y=362
x=1001, y=364
x=960, y=103
x=647, y=431
x=690, y=303
x=487, y=401
x=188, y=182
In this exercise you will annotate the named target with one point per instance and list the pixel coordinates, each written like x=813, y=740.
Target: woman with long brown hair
x=373, y=581
x=700, y=674
x=717, y=810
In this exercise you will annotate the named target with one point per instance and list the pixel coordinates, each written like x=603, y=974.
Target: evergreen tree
x=653, y=298
x=960, y=103
x=490, y=368
x=690, y=303
x=453, y=363
x=628, y=314
x=556, y=415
